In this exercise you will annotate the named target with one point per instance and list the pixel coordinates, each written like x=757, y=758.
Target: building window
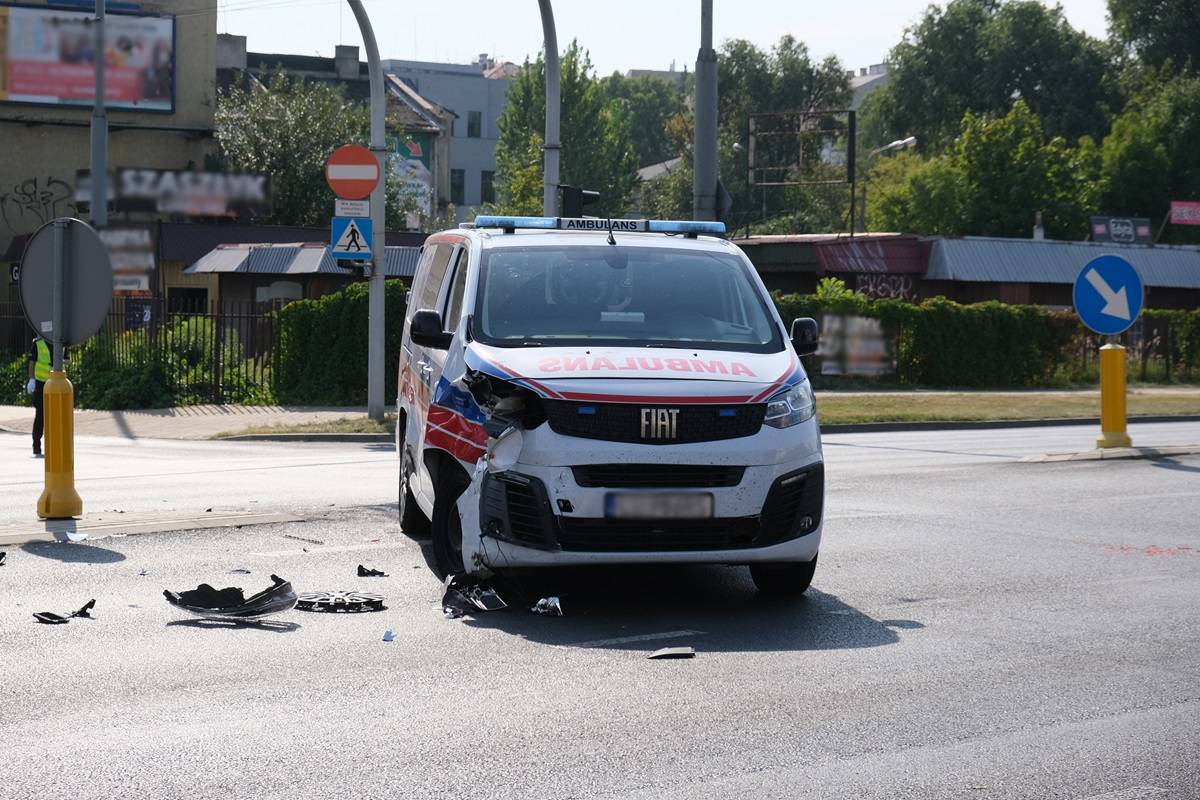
x=458, y=186
x=474, y=124
x=487, y=186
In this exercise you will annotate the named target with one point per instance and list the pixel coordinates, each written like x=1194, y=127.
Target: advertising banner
x=1122, y=230
x=131, y=249
x=48, y=56
x=414, y=166
x=184, y=192
x=1185, y=212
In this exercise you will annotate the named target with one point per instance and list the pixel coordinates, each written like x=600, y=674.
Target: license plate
x=658, y=505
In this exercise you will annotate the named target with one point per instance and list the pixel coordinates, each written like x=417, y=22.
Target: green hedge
x=322, y=343
x=945, y=344
x=14, y=374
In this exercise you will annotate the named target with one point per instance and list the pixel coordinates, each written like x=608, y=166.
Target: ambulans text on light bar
x=595, y=224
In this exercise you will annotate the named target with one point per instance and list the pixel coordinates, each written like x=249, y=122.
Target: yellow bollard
x=1112, y=398
x=59, y=499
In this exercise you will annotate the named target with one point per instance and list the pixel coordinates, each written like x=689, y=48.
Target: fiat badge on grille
x=659, y=423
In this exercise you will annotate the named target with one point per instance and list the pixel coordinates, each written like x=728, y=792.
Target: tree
x=1159, y=31
x=1001, y=171
x=649, y=102
x=1150, y=158
x=287, y=130
x=596, y=133
x=980, y=55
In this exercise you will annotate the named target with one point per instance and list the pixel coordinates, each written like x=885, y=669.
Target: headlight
x=792, y=407
x=505, y=450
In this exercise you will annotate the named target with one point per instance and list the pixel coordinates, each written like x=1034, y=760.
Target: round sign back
x=87, y=281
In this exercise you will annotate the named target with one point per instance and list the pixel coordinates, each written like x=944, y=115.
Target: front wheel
x=447, y=526
x=784, y=579
x=412, y=519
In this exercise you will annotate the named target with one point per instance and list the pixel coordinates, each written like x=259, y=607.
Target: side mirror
x=805, y=335
x=426, y=330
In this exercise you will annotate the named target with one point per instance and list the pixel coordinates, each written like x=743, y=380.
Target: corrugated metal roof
x=294, y=259
x=990, y=260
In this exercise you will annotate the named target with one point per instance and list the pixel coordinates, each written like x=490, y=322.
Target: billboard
x=1122, y=230
x=184, y=192
x=48, y=56
x=1185, y=212
x=413, y=164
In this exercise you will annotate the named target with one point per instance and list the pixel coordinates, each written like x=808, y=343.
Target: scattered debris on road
x=388, y=635
x=3, y=556
x=301, y=539
x=239, y=571
x=50, y=618
x=340, y=602
x=363, y=572
x=548, y=606
x=230, y=602
x=466, y=594
x=76, y=536
x=674, y=652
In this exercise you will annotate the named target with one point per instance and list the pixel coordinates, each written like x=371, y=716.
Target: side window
x=454, y=302
x=431, y=287
x=419, y=280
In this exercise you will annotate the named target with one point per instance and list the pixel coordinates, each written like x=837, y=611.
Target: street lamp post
x=908, y=142
x=375, y=293
x=551, y=147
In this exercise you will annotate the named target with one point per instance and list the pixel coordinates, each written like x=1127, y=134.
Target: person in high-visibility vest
x=39, y=373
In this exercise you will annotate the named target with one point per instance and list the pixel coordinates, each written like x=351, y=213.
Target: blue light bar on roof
x=596, y=224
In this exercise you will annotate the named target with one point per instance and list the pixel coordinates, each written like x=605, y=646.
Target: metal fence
x=199, y=352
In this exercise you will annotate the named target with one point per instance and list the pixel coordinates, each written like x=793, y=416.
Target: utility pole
x=99, y=165
x=704, y=150
x=551, y=147
x=375, y=295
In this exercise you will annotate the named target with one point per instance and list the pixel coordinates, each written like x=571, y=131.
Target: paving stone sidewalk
x=185, y=422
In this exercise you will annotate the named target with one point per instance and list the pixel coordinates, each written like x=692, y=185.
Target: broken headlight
x=791, y=407
x=504, y=400
x=505, y=449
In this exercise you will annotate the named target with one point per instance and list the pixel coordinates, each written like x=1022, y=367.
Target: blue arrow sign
x=1108, y=295
x=350, y=237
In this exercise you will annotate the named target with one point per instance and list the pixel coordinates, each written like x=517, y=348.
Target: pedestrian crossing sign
x=350, y=237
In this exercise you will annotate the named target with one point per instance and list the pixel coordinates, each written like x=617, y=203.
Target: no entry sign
x=352, y=172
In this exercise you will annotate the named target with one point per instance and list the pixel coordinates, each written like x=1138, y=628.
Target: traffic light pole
x=375, y=295
x=551, y=147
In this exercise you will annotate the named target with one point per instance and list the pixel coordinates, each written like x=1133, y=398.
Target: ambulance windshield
x=621, y=295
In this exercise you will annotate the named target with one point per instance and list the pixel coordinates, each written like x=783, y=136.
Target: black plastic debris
x=239, y=571
x=340, y=602
x=467, y=595
x=230, y=602
x=3, y=555
x=548, y=606
x=674, y=652
x=363, y=572
x=51, y=618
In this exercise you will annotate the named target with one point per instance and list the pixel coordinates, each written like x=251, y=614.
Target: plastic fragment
x=466, y=595
x=76, y=536
x=363, y=572
x=340, y=602
x=548, y=606
x=143, y=573
x=206, y=601
x=51, y=618
x=674, y=652
x=239, y=571
x=388, y=635
x=3, y=556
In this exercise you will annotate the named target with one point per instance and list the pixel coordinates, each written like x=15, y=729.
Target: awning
x=900, y=255
x=294, y=259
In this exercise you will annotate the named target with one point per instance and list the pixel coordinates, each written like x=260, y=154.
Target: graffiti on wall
x=877, y=287
x=32, y=202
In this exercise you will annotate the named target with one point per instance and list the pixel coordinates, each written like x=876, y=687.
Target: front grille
x=587, y=535
x=657, y=476
x=622, y=422
x=793, y=505
x=516, y=508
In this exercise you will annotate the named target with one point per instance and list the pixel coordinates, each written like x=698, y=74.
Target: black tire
x=413, y=522
x=447, y=526
x=784, y=579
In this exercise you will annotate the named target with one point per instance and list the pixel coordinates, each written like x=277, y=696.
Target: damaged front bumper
x=535, y=512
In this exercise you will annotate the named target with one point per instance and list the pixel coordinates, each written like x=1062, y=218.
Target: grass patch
x=951, y=406
x=342, y=425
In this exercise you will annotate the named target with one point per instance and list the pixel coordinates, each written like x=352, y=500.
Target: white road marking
x=645, y=637
x=1134, y=793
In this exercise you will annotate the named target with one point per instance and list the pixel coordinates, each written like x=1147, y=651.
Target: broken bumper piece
x=230, y=603
x=469, y=595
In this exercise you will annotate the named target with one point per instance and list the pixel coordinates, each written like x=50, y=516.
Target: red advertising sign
x=48, y=56
x=1185, y=212
x=352, y=171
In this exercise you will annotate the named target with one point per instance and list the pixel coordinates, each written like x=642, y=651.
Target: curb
x=1114, y=454
x=103, y=525
x=308, y=437
x=985, y=424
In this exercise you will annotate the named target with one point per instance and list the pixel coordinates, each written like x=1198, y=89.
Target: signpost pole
x=1112, y=398
x=99, y=165
x=375, y=296
x=59, y=498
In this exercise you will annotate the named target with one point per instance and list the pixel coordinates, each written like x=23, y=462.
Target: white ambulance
x=585, y=391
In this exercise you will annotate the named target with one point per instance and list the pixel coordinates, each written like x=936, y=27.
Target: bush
x=102, y=382
x=13, y=377
x=322, y=357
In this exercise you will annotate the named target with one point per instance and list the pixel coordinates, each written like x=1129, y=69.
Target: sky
x=619, y=34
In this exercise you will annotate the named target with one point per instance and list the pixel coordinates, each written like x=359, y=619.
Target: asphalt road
x=978, y=628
